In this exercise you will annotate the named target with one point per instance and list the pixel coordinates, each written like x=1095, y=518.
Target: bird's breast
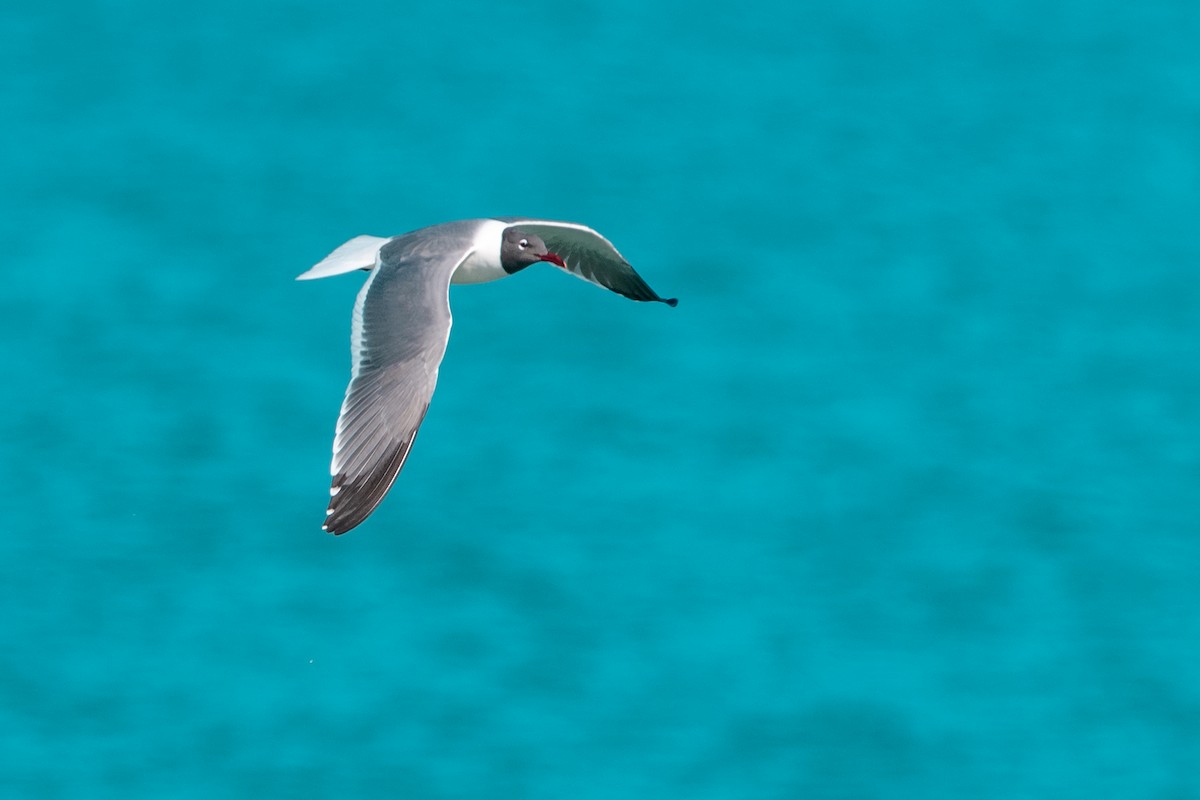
x=483, y=264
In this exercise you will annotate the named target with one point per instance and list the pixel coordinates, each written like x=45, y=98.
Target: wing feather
x=399, y=330
x=590, y=256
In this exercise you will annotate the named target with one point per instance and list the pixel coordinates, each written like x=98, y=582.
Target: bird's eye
x=523, y=243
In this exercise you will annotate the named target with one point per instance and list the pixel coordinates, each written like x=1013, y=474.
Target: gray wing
x=398, y=337
x=590, y=256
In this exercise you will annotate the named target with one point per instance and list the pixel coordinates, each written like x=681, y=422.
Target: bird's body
x=401, y=325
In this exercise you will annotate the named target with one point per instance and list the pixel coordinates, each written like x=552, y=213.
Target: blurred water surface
x=899, y=502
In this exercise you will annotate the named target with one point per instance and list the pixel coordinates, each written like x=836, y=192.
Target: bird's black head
x=519, y=250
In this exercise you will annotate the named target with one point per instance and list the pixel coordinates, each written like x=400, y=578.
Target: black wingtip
x=671, y=301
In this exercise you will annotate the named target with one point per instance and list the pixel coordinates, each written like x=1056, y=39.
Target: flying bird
x=401, y=325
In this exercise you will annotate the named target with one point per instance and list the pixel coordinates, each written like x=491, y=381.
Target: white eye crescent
x=523, y=243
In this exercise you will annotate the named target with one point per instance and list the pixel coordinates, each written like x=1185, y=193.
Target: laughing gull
x=401, y=324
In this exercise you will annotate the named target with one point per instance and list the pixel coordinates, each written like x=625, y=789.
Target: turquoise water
x=900, y=502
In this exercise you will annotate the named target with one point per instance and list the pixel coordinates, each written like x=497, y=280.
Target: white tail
x=358, y=253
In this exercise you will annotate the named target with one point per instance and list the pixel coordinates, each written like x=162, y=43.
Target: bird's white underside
x=482, y=262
